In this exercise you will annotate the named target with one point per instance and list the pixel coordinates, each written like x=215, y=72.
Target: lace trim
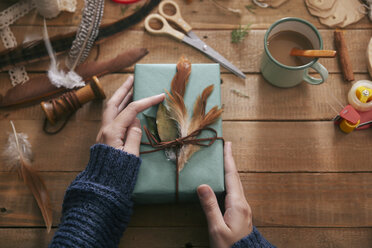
x=18, y=74
x=67, y=5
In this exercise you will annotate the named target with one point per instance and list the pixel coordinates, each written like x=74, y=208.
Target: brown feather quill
x=39, y=88
x=178, y=111
x=18, y=155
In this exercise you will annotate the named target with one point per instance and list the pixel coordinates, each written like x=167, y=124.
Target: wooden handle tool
x=313, y=53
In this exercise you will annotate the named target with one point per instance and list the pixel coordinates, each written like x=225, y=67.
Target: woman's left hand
x=120, y=127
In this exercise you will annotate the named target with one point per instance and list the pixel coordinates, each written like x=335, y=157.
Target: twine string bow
x=178, y=143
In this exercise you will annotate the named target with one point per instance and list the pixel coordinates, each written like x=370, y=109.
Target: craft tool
x=313, y=53
x=69, y=102
x=358, y=114
x=190, y=38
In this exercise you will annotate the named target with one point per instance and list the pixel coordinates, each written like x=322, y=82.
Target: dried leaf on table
x=18, y=155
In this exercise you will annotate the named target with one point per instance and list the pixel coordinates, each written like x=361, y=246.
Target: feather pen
x=39, y=88
x=18, y=155
x=33, y=51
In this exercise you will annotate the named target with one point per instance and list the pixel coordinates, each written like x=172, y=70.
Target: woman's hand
x=120, y=127
x=236, y=223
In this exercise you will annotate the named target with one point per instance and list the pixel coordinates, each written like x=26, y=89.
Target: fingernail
x=203, y=191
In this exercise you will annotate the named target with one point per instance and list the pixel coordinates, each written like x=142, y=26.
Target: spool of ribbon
x=67, y=104
x=190, y=139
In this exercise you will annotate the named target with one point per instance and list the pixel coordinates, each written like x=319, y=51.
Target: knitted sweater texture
x=97, y=205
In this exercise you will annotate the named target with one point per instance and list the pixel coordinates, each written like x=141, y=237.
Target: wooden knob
x=57, y=108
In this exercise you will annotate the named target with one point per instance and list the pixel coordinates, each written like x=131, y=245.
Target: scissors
x=190, y=38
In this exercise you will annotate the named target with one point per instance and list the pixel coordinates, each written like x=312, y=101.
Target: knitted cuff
x=111, y=167
x=254, y=239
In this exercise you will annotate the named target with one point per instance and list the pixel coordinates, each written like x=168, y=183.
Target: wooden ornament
x=335, y=18
x=321, y=4
x=336, y=13
x=68, y=103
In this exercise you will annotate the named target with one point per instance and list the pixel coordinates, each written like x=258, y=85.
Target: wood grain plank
x=246, y=55
x=168, y=237
x=263, y=147
x=200, y=14
x=263, y=101
x=277, y=199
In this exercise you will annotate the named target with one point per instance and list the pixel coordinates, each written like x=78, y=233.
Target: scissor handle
x=176, y=17
x=165, y=29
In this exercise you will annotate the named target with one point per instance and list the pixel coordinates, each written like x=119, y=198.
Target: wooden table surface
x=309, y=184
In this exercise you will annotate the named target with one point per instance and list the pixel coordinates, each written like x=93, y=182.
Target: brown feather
x=178, y=112
x=199, y=108
x=37, y=186
x=39, y=88
x=199, y=120
x=181, y=78
x=20, y=157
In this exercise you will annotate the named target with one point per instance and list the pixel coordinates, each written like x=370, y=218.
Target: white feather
x=12, y=154
x=60, y=78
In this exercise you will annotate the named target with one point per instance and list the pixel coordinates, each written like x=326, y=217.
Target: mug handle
x=320, y=69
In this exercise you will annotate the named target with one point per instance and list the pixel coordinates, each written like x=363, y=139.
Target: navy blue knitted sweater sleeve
x=253, y=240
x=97, y=205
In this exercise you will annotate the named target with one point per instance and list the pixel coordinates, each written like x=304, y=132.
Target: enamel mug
x=288, y=76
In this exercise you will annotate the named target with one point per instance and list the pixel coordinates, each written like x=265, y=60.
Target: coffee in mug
x=281, y=44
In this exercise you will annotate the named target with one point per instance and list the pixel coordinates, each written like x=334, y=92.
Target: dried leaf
x=151, y=125
x=166, y=126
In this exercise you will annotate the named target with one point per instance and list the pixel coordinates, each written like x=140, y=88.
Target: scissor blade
x=211, y=53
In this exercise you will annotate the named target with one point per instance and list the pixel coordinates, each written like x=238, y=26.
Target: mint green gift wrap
x=156, y=181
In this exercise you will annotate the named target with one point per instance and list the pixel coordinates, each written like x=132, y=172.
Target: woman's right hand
x=236, y=223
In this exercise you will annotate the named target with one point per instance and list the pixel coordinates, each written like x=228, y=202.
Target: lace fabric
x=18, y=74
